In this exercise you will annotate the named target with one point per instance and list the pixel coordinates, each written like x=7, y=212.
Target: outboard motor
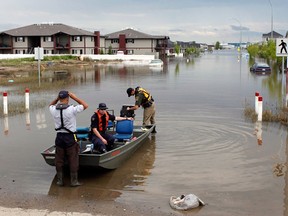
x=127, y=113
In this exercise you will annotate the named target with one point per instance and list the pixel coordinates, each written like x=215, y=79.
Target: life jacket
x=62, y=107
x=148, y=99
x=100, y=122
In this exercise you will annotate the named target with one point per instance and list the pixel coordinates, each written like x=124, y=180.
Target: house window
x=115, y=41
x=19, y=39
x=48, y=51
x=74, y=51
x=20, y=51
x=48, y=39
x=92, y=38
x=129, y=40
x=130, y=52
x=77, y=38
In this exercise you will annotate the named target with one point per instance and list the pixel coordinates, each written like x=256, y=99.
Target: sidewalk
x=33, y=212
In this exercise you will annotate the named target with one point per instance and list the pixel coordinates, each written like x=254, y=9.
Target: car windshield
x=262, y=65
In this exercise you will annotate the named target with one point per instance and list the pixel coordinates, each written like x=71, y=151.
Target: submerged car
x=156, y=63
x=261, y=68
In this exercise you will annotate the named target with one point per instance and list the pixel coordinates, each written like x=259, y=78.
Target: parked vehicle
x=260, y=68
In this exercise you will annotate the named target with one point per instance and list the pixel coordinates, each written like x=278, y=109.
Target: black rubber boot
x=74, y=180
x=60, y=179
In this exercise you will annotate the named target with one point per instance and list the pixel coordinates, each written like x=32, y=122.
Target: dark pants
x=100, y=146
x=66, y=149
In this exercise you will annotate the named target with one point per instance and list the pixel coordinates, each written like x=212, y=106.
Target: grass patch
x=20, y=61
x=270, y=114
x=16, y=108
x=16, y=62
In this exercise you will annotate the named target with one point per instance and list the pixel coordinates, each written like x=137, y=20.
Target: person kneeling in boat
x=103, y=141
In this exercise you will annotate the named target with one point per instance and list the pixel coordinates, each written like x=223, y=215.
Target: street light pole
x=271, y=19
x=240, y=32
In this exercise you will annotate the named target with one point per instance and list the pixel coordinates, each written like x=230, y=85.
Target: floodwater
x=204, y=144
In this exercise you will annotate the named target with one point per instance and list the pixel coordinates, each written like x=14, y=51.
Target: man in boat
x=143, y=98
x=66, y=142
x=103, y=141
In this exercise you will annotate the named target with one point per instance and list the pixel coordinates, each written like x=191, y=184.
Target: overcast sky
x=203, y=21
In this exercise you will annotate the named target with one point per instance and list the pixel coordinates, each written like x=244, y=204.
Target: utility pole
x=240, y=33
x=271, y=19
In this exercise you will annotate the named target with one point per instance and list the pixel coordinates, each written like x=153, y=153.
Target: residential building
x=131, y=41
x=268, y=36
x=54, y=38
x=57, y=38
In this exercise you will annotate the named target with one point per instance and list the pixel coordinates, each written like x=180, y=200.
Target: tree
x=110, y=50
x=217, y=45
x=265, y=50
x=177, y=48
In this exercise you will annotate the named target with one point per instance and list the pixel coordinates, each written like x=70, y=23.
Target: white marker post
x=256, y=101
x=5, y=103
x=260, y=107
x=39, y=55
x=27, y=98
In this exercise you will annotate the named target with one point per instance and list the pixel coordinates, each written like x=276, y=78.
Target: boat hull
x=109, y=160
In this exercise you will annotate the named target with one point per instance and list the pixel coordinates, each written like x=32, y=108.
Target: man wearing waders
x=66, y=142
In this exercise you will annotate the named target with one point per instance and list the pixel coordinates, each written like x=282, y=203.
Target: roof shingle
x=46, y=30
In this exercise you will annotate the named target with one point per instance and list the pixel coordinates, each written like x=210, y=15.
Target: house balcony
x=62, y=46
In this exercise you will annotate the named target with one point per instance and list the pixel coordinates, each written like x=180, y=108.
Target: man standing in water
x=66, y=142
x=143, y=98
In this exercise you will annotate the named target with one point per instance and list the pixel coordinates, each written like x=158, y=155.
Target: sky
x=202, y=21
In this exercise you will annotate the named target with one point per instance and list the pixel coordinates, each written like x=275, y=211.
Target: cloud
x=239, y=28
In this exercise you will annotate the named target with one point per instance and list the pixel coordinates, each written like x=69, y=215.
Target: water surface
x=204, y=144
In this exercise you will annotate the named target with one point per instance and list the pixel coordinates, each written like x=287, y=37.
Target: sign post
x=282, y=50
x=39, y=55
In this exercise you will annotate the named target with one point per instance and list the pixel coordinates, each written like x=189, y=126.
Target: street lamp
x=271, y=19
x=240, y=32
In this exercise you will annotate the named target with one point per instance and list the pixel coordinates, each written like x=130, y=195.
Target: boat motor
x=127, y=113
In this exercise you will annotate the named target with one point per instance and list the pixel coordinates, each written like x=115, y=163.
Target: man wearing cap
x=103, y=141
x=143, y=98
x=66, y=142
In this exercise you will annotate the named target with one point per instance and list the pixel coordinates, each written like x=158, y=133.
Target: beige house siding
x=102, y=45
x=20, y=45
x=137, y=47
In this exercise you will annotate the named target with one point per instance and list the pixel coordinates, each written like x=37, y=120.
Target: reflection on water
x=40, y=119
x=258, y=132
x=28, y=122
x=6, y=125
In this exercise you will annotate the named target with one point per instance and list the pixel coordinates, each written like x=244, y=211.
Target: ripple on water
x=214, y=151
x=200, y=137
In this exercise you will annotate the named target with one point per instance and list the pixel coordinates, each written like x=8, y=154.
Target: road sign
x=282, y=47
x=39, y=53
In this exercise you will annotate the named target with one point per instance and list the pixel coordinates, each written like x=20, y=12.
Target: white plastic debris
x=185, y=202
x=89, y=148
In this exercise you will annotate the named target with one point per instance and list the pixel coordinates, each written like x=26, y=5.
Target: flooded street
x=204, y=144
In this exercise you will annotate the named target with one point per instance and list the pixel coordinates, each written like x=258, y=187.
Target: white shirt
x=69, y=117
